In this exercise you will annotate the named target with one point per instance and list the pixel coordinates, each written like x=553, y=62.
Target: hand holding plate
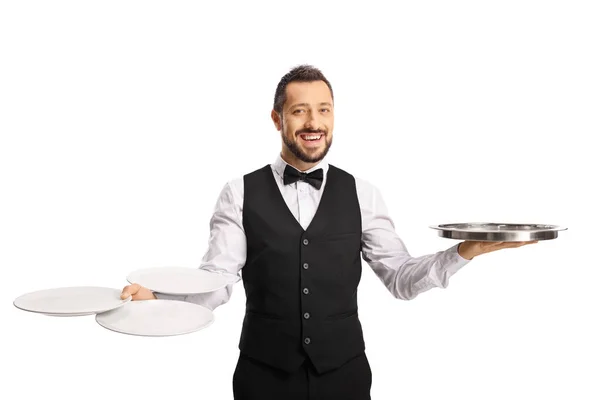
x=137, y=292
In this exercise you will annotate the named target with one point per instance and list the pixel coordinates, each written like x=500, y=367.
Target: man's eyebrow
x=308, y=105
x=300, y=105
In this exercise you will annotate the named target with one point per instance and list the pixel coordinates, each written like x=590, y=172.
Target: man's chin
x=313, y=156
x=307, y=154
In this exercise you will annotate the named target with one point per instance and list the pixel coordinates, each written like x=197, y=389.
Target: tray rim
x=449, y=227
x=495, y=235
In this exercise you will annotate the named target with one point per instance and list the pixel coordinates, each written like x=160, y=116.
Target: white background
x=122, y=120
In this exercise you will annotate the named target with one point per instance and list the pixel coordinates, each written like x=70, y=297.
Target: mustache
x=309, y=131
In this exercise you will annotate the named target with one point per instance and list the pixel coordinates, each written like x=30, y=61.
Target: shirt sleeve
x=403, y=275
x=226, y=254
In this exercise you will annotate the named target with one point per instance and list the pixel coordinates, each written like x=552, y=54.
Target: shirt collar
x=279, y=166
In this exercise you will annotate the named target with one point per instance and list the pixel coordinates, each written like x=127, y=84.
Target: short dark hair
x=301, y=73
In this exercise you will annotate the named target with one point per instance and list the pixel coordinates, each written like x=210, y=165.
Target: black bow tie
x=291, y=175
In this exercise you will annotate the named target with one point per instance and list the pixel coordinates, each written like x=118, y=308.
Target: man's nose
x=311, y=122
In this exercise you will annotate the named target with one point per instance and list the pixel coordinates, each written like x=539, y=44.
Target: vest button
x=305, y=266
x=305, y=241
x=307, y=340
x=305, y=290
x=306, y=315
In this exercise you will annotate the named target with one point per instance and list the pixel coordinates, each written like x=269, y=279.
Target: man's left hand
x=470, y=249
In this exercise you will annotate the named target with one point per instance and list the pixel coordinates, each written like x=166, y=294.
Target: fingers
x=492, y=246
x=489, y=247
x=519, y=244
x=130, y=290
x=508, y=245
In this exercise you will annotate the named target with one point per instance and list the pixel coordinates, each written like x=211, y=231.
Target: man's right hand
x=137, y=292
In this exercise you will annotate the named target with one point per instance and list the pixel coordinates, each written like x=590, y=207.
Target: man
x=296, y=231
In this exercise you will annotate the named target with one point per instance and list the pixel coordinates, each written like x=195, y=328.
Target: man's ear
x=276, y=120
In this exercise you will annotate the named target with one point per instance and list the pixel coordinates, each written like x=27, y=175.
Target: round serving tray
x=498, y=232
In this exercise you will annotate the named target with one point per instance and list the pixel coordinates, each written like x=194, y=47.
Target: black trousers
x=253, y=380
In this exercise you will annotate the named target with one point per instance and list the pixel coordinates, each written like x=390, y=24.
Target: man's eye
x=324, y=109
x=297, y=111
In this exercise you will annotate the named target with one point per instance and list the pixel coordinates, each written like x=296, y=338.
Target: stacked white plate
x=71, y=301
x=142, y=317
x=157, y=318
x=178, y=280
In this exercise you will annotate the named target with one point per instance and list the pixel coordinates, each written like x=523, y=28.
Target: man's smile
x=312, y=139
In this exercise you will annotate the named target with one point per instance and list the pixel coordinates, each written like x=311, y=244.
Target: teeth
x=312, y=137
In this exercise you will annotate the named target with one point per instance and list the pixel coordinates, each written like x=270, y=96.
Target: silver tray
x=498, y=232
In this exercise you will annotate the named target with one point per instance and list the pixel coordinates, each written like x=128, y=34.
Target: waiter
x=294, y=231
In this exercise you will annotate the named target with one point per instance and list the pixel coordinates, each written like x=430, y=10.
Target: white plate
x=157, y=318
x=71, y=301
x=68, y=315
x=178, y=280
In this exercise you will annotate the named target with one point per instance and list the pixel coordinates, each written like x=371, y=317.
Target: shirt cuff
x=456, y=260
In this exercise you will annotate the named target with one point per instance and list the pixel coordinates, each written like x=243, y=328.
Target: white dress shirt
x=403, y=275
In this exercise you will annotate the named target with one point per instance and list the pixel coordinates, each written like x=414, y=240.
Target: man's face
x=306, y=123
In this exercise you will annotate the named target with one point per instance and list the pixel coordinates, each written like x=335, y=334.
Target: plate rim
x=82, y=312
x=99, y=317
x=181, y=293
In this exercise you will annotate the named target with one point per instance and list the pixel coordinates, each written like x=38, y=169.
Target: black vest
x=301, y=286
